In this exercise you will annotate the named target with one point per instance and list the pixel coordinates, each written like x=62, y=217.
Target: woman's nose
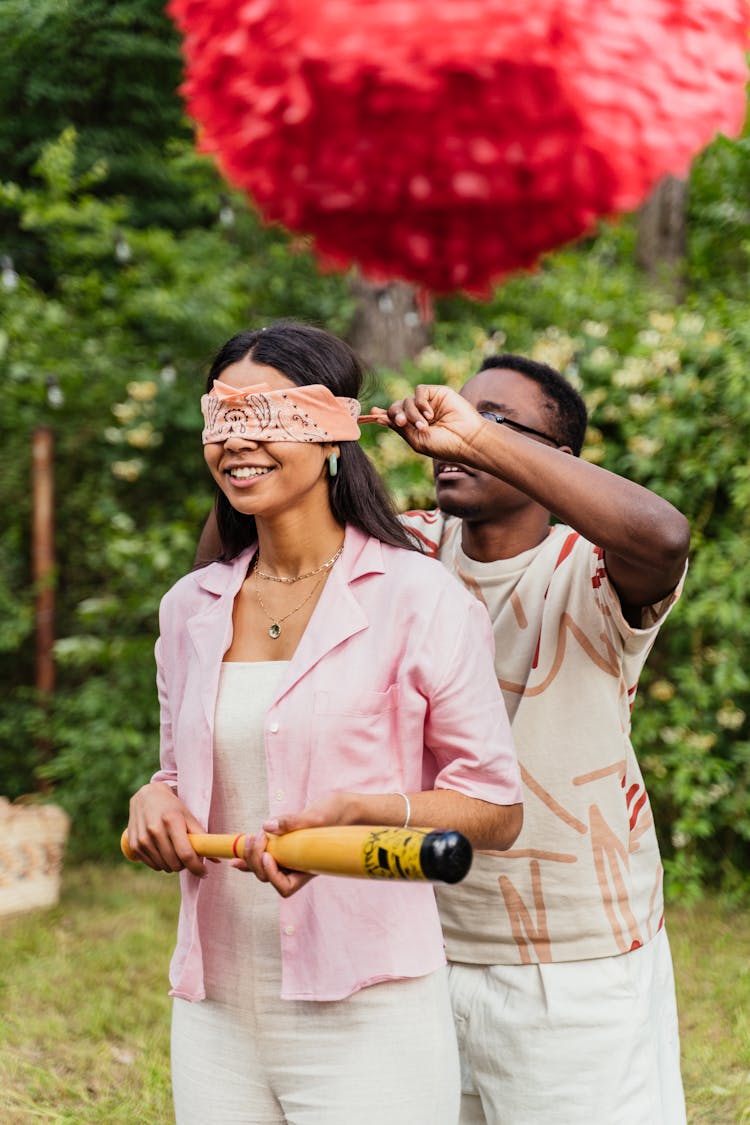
x=236, y=441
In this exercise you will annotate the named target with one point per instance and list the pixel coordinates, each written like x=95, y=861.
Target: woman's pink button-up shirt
x=392, y=688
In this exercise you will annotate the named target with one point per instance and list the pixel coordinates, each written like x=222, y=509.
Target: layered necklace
x=275, y=630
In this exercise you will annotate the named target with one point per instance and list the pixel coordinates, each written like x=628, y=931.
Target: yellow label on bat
x=393, y=853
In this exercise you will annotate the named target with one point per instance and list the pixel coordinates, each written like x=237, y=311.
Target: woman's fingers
x=158, y=830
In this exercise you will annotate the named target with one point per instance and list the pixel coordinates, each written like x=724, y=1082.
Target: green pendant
x=274, y=631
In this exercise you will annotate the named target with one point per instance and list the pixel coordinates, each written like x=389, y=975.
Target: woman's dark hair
x=311, y=355
x=567, y=408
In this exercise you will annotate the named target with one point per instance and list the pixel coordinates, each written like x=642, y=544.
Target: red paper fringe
x=449, y=143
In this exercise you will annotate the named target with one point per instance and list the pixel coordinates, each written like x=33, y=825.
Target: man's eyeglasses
x=502, y=420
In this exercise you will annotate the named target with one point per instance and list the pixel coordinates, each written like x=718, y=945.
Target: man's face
x=477, y=496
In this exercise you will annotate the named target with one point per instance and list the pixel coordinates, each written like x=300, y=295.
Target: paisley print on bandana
x=257, y=413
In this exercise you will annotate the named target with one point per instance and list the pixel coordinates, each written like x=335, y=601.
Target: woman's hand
x=158, y=830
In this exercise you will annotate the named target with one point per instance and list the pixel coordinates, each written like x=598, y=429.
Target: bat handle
x=215, y=846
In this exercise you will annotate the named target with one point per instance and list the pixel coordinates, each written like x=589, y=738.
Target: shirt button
x=273, y=727
x=279, y=794
x=289, y=930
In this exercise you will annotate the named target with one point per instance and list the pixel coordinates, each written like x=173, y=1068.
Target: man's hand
x=335, y=808
x=261, y=863
x=436, y=421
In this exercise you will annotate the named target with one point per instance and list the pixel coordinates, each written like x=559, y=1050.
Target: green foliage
x=133, y=262
x=109, y=355
x=112, y=72
x=719, y=214
x=124, y=340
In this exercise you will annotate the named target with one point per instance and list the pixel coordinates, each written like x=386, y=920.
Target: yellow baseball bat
x=358, y=851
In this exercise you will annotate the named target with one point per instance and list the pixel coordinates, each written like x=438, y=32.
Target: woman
x=323, y=672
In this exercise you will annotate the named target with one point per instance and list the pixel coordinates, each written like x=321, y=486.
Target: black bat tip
x=445, y=857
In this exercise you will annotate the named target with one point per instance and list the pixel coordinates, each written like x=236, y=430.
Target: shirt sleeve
x=652, y=616
x=468, y=741
x=168, y=770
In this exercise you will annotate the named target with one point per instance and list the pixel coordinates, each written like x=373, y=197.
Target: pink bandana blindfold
x=257, y=413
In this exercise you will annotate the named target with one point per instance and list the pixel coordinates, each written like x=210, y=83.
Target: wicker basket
x=32, y=846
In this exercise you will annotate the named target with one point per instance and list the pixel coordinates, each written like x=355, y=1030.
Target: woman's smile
x=243, y=475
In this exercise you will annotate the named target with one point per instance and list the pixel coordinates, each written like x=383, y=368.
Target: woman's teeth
x=244, y=473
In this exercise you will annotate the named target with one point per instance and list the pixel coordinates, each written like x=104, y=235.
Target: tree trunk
x=390, y=323
x=662, y=236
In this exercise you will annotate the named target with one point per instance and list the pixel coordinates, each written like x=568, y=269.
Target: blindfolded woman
x=323, y=672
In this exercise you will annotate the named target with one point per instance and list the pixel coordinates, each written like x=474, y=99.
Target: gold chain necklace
x=275, y=630
x=298, y=577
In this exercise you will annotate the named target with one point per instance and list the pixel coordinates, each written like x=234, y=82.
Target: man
x=561, y=975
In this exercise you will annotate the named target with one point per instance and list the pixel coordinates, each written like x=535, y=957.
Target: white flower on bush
x=663, y=321
x=125, y=412
x=456, y=370
x=595, y=398
x=730, y=717
x=666, y=359
x=691, y=324
x=429, y=358
x=143, y=391
x=702, y=742
x=555, y=348
x=644, y=446
x=634, y=372
x=143, y=436
x=391, y=453
x=594, y=454
x=122, y=522
x=662, y=690
x=595, y=328
x=704, y=798
x=127, y=470
x=601, y=358
x=573, y=375
x=641, y=405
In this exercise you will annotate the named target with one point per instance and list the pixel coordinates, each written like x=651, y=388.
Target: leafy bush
x=106, y=346
x=110, y=357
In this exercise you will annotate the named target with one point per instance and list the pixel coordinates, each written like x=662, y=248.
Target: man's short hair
x=568, y=410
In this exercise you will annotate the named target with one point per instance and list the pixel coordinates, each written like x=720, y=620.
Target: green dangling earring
x=333, y=464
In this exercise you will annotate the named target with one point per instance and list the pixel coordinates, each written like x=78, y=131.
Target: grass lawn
x=84, y=1016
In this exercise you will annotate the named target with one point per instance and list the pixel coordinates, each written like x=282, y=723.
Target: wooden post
x=43, y=554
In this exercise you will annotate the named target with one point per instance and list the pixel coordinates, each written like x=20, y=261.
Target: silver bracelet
x=408, y=809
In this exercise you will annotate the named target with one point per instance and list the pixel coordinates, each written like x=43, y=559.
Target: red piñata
x=449, y=143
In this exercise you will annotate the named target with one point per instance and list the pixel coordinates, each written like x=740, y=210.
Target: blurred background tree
x=125, y=261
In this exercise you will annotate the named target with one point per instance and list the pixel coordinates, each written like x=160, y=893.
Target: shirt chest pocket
x=355, y=741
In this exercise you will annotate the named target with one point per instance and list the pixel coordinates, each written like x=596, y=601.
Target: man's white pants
x=578, y=1043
